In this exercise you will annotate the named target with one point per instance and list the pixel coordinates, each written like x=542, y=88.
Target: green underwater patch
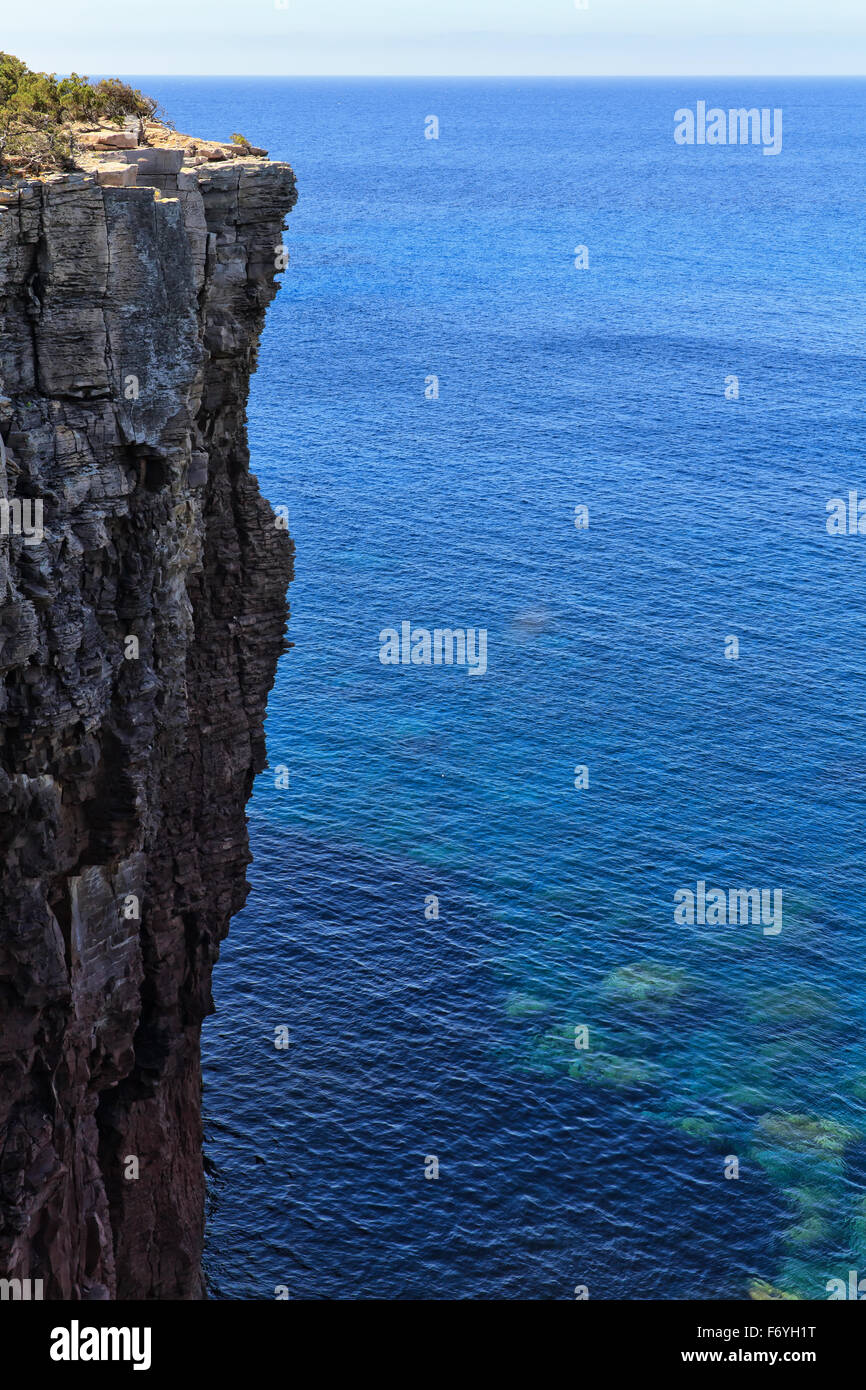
x=787, y=1168
x=762, y=1289
x=814, y=1230
x=805, y=1278
x=796, y=1279
x=856, y=1086
x=708, y=1128
x=805, y=1134
x=735, y=1063
x=812, y=1200
x=644, y=983
x=524, y=1005
x=749, y=1098
x=800, y=1003
x=858, y=1230
x=620, y=1073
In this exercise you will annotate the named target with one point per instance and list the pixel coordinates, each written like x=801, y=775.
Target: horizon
x=490, y=77
x=456, y=38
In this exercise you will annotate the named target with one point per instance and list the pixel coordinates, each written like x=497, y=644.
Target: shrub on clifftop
x=38, y=112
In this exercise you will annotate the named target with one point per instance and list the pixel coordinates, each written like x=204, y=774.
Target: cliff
x=140, y=627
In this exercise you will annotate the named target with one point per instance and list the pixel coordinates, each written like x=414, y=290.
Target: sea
x=538, y=370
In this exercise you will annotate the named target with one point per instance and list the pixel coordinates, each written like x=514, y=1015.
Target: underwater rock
x=858, y=1230
x=803, y=1278
x=705, y=1127
x=811, y=1200
x=645, y=983
x=621, y=1073
x=522, y=1005
x=856, y=1086
x=788, y=1167
x=806, y=1134
x=801, y=1003
x=747, y=1098
x=814, y=1230
x=788, y=1054
x=761, y=1289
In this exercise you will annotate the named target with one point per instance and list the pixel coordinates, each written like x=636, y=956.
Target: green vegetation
x=38, y=113
x=242, y=141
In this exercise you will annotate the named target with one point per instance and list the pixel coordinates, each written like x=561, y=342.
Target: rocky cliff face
x=139, y=635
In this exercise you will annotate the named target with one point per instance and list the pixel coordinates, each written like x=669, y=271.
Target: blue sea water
x=455, y=1038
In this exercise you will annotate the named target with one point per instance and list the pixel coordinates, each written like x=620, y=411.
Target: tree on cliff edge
x=38, y=114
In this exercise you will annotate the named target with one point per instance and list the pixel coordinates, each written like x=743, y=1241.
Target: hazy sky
x=432, y=37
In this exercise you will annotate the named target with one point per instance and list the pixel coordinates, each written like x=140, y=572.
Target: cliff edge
x=142, y=613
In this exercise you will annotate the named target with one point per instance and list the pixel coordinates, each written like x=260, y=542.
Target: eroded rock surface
x=129, y=318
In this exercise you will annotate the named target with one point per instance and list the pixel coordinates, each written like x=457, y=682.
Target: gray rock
x=128, y=329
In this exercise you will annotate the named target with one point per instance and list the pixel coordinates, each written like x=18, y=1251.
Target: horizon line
x=518, y=76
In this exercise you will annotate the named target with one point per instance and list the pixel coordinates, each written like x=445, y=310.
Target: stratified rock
x=110, y=174
x=138, y=641
x=109, y=140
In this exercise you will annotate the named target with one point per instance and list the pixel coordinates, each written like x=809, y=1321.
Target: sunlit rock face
x=141, y=619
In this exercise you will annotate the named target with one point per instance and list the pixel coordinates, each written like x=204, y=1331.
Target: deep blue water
x=606, y=647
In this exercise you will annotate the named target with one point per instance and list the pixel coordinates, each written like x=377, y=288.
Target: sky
x=441, y=37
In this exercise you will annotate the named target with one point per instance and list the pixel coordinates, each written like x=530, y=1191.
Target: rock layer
x=139, y=638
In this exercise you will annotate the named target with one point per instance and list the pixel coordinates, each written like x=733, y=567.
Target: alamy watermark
x=77, y=1343
x=21, y=1290
x=736, y=126
x=22, y=516
x=846, y=520
x=444, y=646
x=716, y=908
x=855, y=1288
